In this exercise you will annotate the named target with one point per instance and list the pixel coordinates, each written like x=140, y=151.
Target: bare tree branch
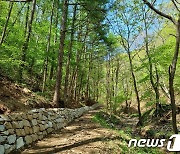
x=174, y=2
x=177, y=2
x=159, y=12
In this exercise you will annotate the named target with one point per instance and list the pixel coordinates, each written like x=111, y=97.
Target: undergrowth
x=125, y=135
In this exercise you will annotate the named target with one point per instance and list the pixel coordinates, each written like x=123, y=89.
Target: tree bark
x=6, y=24
x=27, y=38
x=46, y=60
x=172, y=67
x=172, y=71
x=54, y=42
x=57, y=94
x=135, y=89
x=69, y=55
x=155, y=86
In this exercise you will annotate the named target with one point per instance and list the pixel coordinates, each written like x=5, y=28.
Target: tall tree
x=7, y=21
x=56, y=97
x=70, y=54
x=128, y=30
x=27, y=39
x=46, y=60
x=172, y=67
x=153, y=79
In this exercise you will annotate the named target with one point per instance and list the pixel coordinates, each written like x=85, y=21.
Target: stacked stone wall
x=21, y=129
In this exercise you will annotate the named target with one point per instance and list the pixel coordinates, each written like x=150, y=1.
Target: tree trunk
x=172, y=71
x=46, y=60
x=27, y=38
x=56, y=97
x=172, y=67
x=54, y=42
x=154, y=85
x=14, y=22
x=6, y=24
x=135, y=89
x=69, y=55
x=74, y=76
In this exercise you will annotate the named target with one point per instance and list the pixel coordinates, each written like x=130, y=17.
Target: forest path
x=83, y=136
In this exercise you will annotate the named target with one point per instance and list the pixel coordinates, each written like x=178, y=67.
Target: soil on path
x=83, y=136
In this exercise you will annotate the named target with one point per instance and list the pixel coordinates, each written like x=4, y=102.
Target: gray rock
x=11, y=139
x=42, y=127
x=5, y=133
x=60, y=120
x=44, y=117
x=35, y=129
x=15, y=117
x=30, y=117
x=26, y=123
x=40, y=117
x=15, y=124
x=24, y=116
x=42, y=109
x=34, y=137
x=43, y=122
x=50, y=124
x=8, y=125
x=20, y=132
x=35, y=116
x=2, y=150
x=2, y=128
x=34, y=111
x=34, y=122
x=44, y=133
x=21, y=124
x=7, y=146
x=27, y=130
x=4, y=118
x=49, y=130
x=19, y=143
x=2, y=138
x=28, y=139
x=11, y=131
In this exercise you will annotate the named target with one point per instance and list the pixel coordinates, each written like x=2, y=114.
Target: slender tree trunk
x=97, y=84
x=158, y=105
x=7, y=21
x=88, y=76
x=172, y=67
x=46, y=60
x=56, y=97
x=26, y=20
x=54, y=42
x=69, y=55
x=74, y=77
x=154, y=85
x=14, y=22
x=172, y=71
x=135, y=88
x=108, y=87
x=27, y=38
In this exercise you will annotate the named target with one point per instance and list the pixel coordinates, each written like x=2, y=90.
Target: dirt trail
x=83, y=136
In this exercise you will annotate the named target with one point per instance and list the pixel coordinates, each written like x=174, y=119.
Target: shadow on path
x=83, y=136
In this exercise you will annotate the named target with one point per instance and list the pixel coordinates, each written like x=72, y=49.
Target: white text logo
x=172, y=145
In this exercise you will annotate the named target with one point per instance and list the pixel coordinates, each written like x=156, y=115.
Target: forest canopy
x=121, y=53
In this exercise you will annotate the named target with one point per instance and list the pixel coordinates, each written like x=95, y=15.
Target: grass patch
x=109, y=121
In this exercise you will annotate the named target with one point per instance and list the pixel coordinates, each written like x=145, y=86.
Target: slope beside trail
x=83, y=136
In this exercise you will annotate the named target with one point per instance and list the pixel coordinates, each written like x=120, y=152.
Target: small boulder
x=19, y=143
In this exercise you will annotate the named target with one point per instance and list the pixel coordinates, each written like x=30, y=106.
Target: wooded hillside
x=123, y=54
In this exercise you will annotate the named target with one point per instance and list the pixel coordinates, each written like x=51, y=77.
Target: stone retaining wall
x=18, y=130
